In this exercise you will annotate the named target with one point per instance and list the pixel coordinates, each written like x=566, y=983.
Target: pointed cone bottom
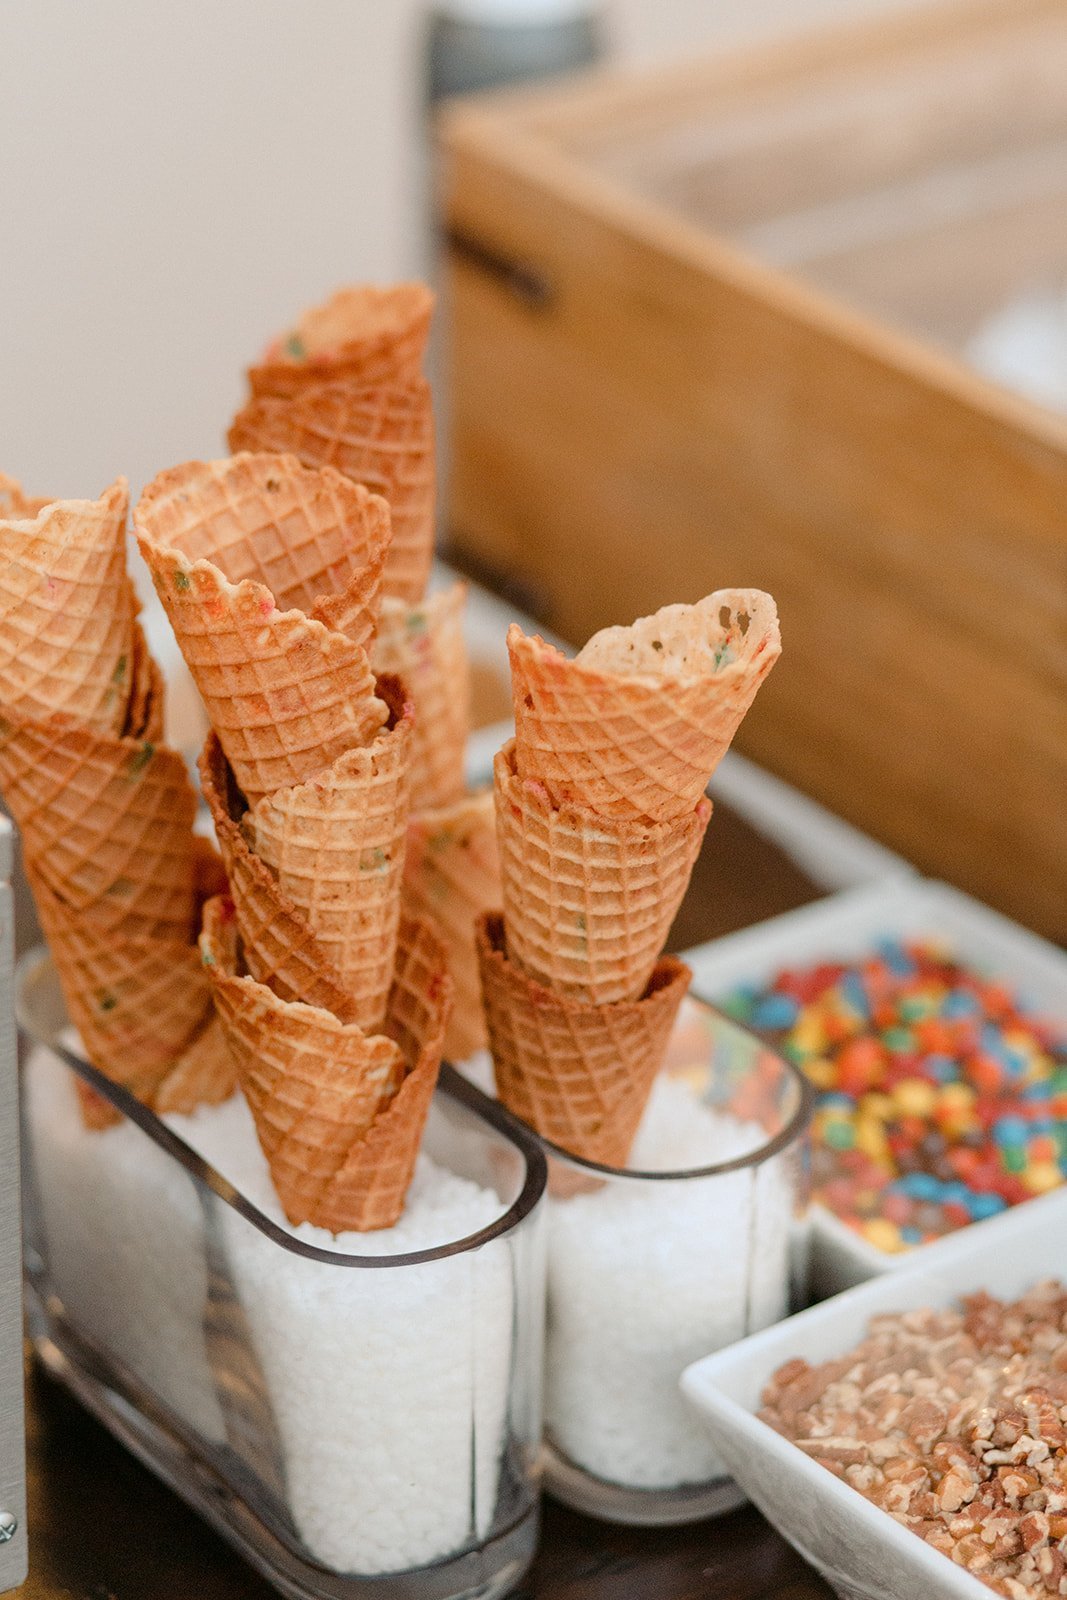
x=336, y=847
x=381, y=437
x=636, y=724
x=106, y=825
x=588, y=902
x=136, y=1003
x=579, y=1074
x=452, y=876
x=425, y=646
x=280, y=949
x=67, y=609
x=339, y=1113
x=364, y=335
x=286, y=694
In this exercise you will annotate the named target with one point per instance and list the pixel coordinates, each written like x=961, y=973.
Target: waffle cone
x=67, y=607
x=588, y=901
x=336, y=848
x=579, y=1074
x=106, y=824
x=204, y=1075
x=339, y=1112
x=137, y=1003
x=636, y=724
x=286, y=694
x=314, y=539
x=365, y=335
x=451, y=877
x=424, y=645
x=381, y=437
x=280, y=950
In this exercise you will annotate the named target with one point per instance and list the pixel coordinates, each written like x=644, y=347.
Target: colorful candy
x=942, y=1093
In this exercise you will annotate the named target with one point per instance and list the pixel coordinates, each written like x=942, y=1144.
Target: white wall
x=178, y=177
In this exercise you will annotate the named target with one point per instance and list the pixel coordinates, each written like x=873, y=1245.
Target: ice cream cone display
x=635, y=725
x=285, y=692
x=601, y=814
x=67, y=607
x=424, y=645
x=580, y=1074
x=588, y=901
x=364, y=334
x=339, y=1111
x=381, y=437
x=452, y=876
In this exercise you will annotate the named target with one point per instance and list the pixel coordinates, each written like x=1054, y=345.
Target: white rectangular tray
x=842, y=928
x=859, y=1549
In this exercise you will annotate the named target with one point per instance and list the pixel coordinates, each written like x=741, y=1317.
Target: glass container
x=359, y=1427
x=700, y=1242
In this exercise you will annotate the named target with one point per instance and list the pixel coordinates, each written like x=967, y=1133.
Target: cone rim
x=666, y=682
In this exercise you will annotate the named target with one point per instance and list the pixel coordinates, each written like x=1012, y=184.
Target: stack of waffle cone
x=588, y=901
x=381, y=437
x=335, y=847
x=339, y=1112
x=452, y=876
x=364, y=335
x=307, y=773
x=105, y=811
x=600, y=815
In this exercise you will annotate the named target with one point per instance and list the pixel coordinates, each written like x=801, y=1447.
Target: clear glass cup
x=360, y=1427
x=652, y=1266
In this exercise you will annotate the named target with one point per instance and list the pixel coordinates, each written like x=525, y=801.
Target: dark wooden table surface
x=102, y=1528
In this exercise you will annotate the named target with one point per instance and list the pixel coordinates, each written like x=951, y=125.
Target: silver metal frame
x=13, y=1544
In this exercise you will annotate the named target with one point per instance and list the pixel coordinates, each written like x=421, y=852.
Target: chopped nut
x=955, y=1424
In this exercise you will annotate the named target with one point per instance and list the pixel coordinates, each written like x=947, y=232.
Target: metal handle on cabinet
x=521, y=278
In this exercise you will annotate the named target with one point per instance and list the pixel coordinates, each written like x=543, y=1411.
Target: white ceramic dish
x=843, y=927
x=860, y=1550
